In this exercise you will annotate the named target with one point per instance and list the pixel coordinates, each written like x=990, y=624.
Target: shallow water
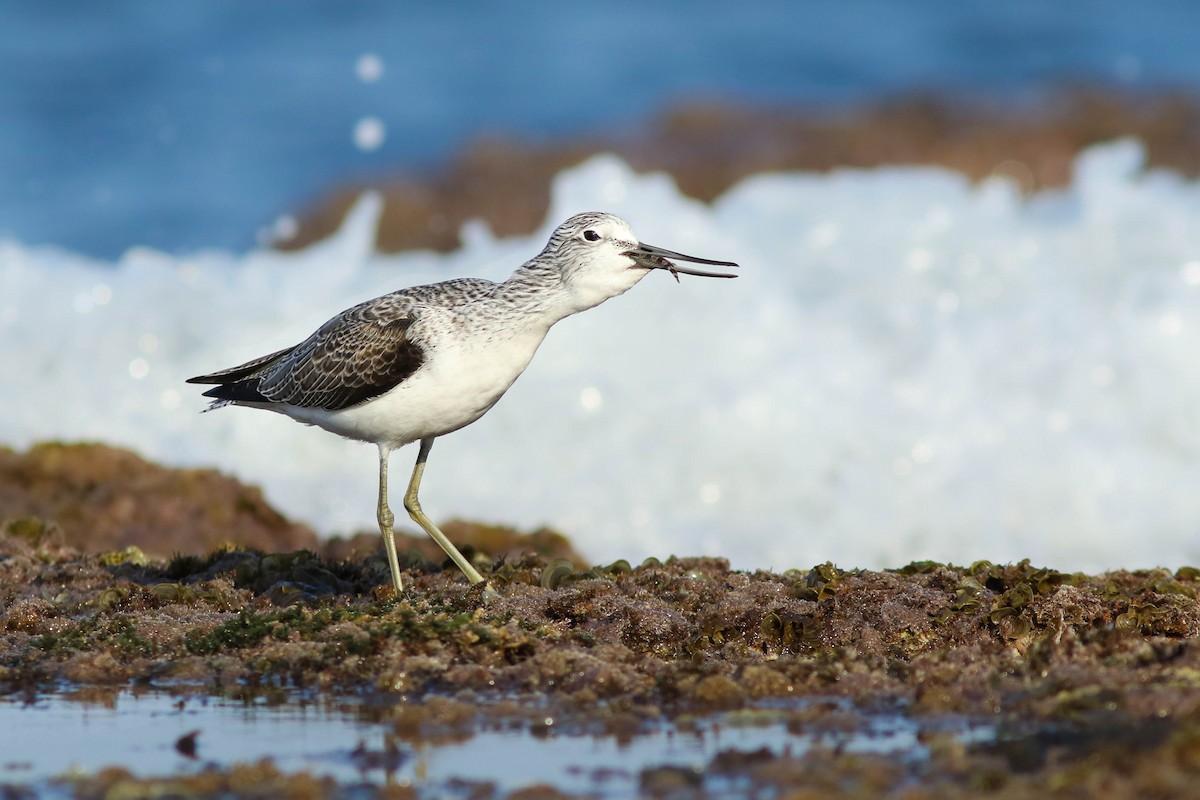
x=60, y=735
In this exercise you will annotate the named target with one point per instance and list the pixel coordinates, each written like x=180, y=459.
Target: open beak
x=651, y=257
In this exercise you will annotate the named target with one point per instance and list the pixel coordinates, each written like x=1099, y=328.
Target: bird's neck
x=537, y=292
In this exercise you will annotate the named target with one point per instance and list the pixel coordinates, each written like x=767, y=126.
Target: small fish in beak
x=648, y=256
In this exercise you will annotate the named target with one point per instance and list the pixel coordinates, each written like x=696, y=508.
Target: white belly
x=455, y=386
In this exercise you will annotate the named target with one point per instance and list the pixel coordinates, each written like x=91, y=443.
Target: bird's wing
x=359, y=354
x=242, y=370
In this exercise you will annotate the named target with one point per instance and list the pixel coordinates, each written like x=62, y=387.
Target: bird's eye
x=591, y=235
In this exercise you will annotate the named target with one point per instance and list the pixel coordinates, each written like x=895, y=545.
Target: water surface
x=56, y=735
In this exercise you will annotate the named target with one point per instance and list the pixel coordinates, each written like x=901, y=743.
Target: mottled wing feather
x=345, y=363
x=242, y=370
x=359, y=354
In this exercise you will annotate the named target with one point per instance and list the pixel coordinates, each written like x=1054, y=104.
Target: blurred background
x=970, y=234
x=214, y=125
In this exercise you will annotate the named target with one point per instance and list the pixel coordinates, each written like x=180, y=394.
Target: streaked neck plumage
x=543, y=291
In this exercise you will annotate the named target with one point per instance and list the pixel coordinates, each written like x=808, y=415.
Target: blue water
x=186, y=126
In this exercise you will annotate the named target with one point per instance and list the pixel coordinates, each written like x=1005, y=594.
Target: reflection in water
x=157, y=733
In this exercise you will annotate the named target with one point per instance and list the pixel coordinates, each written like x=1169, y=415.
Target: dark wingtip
x=238, y=392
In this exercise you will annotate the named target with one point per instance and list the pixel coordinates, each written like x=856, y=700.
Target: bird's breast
x=482, y=368
x=459, y=380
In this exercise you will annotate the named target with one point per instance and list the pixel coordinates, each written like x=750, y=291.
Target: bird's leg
x=413, y=505
x=386, y=519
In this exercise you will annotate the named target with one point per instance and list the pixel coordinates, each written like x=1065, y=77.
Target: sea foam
x=911, y=366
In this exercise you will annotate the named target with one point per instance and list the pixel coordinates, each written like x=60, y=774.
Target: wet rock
x=109, y=499
x=1088, y=656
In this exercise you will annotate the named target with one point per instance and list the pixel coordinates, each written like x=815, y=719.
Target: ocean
x=189, y=126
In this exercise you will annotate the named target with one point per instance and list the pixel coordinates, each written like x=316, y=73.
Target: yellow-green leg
x=384, y=514
x=413, y=505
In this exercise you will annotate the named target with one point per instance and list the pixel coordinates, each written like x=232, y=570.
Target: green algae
x=556, y=574
x=130, y=555
x=116, y=633
x=820, y=583
x=33, y=530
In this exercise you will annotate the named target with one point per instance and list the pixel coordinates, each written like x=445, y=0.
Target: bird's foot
x=486, y=593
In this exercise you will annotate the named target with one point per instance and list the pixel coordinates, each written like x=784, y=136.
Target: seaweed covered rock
x=107, y=498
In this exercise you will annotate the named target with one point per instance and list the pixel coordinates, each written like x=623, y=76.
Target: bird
x=425, y=361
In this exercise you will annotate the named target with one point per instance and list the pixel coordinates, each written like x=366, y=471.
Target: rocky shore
x=1092, y=682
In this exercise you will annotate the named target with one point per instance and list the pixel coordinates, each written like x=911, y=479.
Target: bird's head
x=599, y=257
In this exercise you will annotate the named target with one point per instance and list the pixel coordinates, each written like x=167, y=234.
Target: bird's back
x=357, y=355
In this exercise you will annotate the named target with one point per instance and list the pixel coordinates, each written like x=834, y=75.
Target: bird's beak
x=651, y=257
